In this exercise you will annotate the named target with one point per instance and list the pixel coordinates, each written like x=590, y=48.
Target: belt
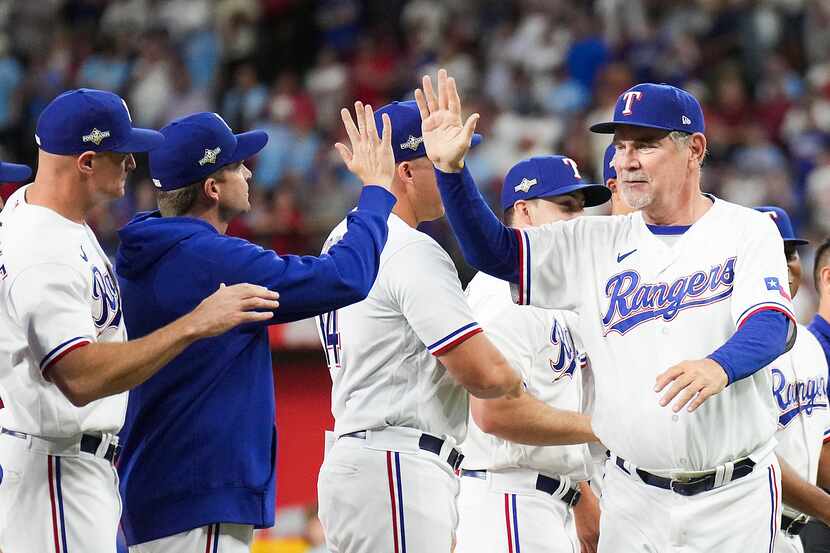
x=543, y=484
x=793, y=526
x=89, y=444
x=427, y=442
x=694, y=486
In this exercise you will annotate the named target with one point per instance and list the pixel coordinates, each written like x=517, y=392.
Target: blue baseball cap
x=608, y=170
x=785, y=226
x=196, y=146
x=91, y=120
x=546, y=176
x=407, y=141
x=656, y=106
x=14, y=172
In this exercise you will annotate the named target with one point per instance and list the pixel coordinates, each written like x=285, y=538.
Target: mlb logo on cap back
x=656, y=106
x=91, y=120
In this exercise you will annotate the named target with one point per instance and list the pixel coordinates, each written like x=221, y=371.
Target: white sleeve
x=49, y=303
x=549, y=265
x=760, y=273
x=518, y=336
x=424, y=283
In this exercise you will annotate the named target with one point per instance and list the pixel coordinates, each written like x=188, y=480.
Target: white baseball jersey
x=645, y=306
x=58, y=293
x=799, y=387
x=382, y=352
x=538, y=343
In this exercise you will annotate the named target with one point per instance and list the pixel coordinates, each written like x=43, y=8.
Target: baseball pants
x=373, y=501
x=815, y=537
x=785, y=543
x=215, y=538
x=494, y=520
x=743, y=515
x=56, y=503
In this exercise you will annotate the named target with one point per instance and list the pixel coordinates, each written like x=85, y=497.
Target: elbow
x=486, y=418
x=75, y=390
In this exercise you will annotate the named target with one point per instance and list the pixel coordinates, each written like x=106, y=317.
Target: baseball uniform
x=59, y=293
x=650, y=297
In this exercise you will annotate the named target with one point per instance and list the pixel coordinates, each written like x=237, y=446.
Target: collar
x=821, y=325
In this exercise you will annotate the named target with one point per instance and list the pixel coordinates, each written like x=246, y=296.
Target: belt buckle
x=575, y=498
x=679, y=487
x=454, y=459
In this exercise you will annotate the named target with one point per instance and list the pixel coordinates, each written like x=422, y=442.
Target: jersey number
x=331, y=338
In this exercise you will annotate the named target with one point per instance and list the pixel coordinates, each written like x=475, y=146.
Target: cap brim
x=796, y=242
x=609, y=127
x=248, y=144
x=13, y=172
x=595, y=194
x=141, y=140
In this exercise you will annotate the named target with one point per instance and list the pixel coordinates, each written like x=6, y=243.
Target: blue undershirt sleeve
x=761, y=339
x=486, y=243
x=311, y=285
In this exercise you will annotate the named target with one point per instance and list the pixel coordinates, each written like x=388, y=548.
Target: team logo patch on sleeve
x=774, y=285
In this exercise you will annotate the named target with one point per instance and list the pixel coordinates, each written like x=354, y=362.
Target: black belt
x=427, y=442
x=543, y=484
x=89, y=444
x=692, y=487
x=793, y=526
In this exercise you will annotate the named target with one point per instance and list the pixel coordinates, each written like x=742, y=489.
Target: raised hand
x=370, y=158
x=446, y=139
x=231, y=306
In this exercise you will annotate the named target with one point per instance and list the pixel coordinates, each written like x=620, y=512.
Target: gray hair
x=682, y=139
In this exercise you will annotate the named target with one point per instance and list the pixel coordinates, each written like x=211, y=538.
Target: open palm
x=446, y=139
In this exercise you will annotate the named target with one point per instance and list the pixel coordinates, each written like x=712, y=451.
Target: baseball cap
x=546, y=176
x=197, y=145
x=407, y=141
x=608, y=170
x=14, y=172
x=782, y=221
x=656, y=106
x=87, y=119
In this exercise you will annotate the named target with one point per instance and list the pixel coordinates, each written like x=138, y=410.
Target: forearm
x=486, y=243
x=761, y=340
x=823, y=479
x=103, y=369
x=526, y=420
x=803, y=496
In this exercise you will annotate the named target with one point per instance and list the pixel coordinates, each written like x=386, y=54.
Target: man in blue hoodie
x=197, y=469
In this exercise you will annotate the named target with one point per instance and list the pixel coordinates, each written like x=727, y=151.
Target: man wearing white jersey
x=682, y=297
x=402, y=362
x=65, y=364
x=799, y=387
x=522, y=497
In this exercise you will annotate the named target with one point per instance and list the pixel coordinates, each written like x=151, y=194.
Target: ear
x=210, y=188
x=84, y=163
x=404, y=171
x=521, y=211
x=824, y=276
x=697, y=147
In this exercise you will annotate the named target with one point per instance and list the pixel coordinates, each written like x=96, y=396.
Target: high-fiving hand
x=370, y=158
x=446, y=139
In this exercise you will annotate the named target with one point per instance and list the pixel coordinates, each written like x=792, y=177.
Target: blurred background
x=539, y=72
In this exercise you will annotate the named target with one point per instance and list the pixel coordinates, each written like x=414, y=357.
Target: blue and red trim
x=212, y=541
x=454, y=338
x=775, y=519
x=62, y=349
x=56, y=501
x=765, y=306
x=511, y=521
x=827, y=436
x=393, y=472
x=523, y=295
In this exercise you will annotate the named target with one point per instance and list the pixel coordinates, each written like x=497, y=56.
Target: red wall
x=303, y=414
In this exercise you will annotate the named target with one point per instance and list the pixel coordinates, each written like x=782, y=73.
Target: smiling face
x=650, y=165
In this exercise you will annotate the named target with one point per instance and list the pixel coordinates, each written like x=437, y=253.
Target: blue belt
x=694, y=486
x=89, y=444
x=543, y=484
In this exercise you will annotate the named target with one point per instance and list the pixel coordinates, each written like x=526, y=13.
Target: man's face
x=426, y=198
x=234, y=198
x=110, y=170
x=556, y=208
x=649, y=165
x=793, y=268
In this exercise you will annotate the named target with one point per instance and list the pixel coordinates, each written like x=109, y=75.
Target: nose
x=246, y=172
x=626, y=158
x=130, y=162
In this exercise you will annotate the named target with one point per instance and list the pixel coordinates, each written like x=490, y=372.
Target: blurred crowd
x=539, y=72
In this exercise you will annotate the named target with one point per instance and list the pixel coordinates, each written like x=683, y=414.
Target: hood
x=149, y=236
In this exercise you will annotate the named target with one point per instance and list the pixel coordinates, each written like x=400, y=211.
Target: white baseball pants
x=215, y=538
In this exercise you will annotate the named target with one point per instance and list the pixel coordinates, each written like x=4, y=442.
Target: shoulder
x=486, y=290
x=809, y=344
x=31, y=237
x=411, y=245
x=742, y=216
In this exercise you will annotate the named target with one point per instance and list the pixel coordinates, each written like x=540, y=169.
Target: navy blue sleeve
x=486, y=243
x=310, y=285
x=762, y=339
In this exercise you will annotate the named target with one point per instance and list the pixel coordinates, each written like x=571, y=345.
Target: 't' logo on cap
x=629, y=98
x=96, y=136
x=210, y=156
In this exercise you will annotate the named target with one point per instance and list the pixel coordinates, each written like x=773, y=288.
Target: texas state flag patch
x=774, y=285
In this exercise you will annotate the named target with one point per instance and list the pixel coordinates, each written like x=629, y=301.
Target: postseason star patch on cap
x=546, y=176
x=656, y=106
x=86, y=119
x=196, y=146
x=407, y=142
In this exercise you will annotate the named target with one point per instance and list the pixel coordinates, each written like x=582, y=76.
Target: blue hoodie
x=199, y=439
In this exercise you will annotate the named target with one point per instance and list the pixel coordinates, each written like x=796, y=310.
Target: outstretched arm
x=486, y=243
x=803, y=496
